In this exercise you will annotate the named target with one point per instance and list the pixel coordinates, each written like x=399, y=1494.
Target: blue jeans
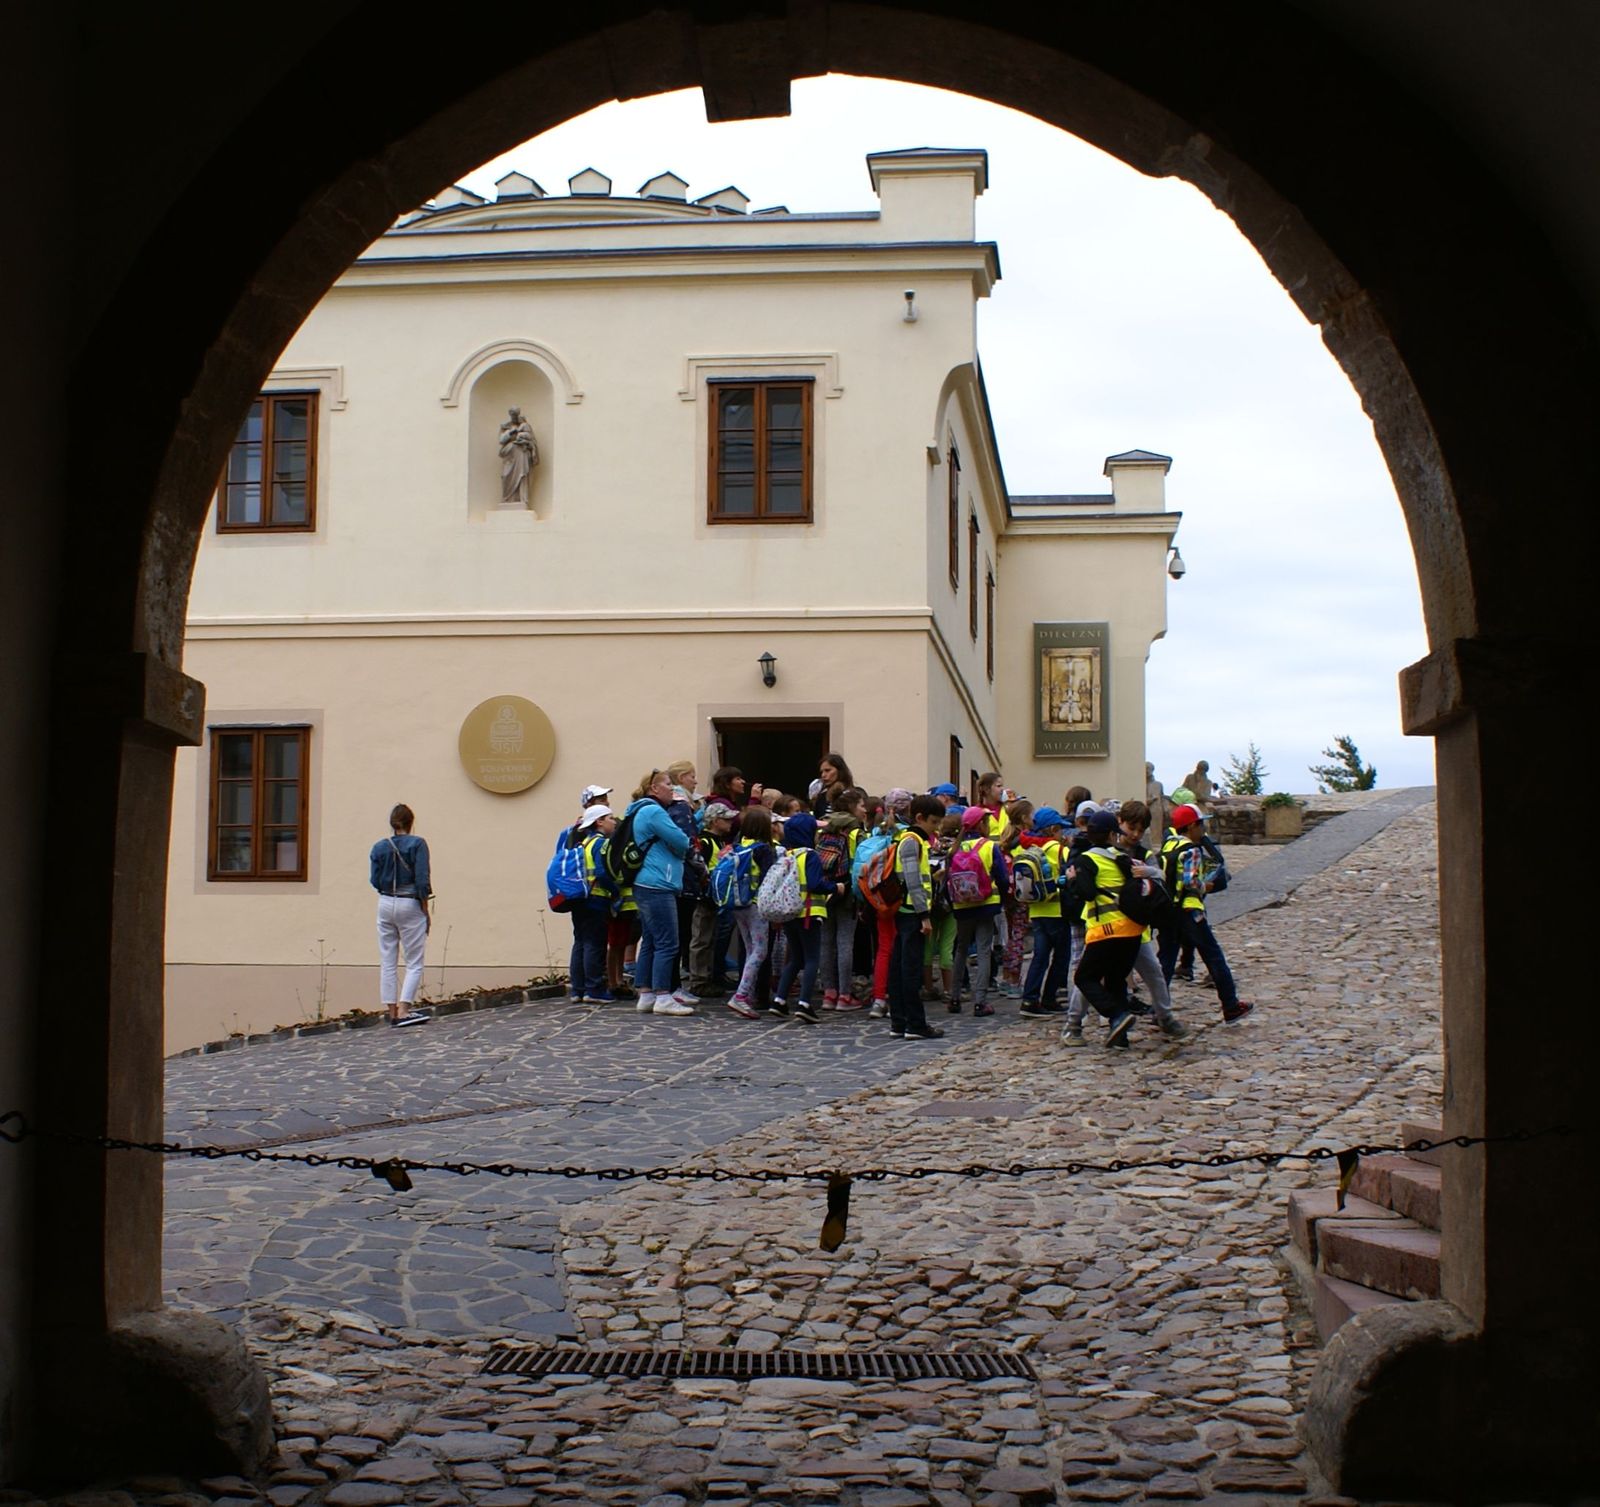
x=658, y=939
x=587, y=972
x=805, y=952
x=1193, y=928
x=1052, y=953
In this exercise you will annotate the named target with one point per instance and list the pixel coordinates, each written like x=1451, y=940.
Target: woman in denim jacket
x=400, y=874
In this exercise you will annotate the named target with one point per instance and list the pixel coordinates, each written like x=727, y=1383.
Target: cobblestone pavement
x=1172, y=1349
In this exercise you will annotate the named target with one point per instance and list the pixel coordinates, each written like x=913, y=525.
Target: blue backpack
x=866, y=850
x=733, y=879
x=564, y=877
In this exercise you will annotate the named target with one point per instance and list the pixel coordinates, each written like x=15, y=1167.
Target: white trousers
x=402, y=923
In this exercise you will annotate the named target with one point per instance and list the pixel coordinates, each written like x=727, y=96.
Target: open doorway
x=777, y=751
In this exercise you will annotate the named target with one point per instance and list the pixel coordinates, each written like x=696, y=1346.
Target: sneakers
x=879, y=1010
x=602, y=997
x=742, y=1007
x=1229, y=1017
x=807, y=1012
x=1033, y=1010
x=983, y=1009
x=421, y=1018
x=954, y=1007
x=898, y=1032
x=685, y=996
x=1173, y=1028
x=850, y=1002
x=1186, y=974
x=646, y=1001
x=667, y=1004
x=830, y=999
x=1118, y=1034
x=923, y=1033
x=1072, y=1036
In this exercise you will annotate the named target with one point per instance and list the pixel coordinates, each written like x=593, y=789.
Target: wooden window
x=972, y=575
x=955, y=761
x=760, y=468
x=269, y=485
x=988, y=622
x=954, y=509
x=258, y=803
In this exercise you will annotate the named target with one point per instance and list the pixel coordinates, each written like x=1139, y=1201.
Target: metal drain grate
x=751, y=1365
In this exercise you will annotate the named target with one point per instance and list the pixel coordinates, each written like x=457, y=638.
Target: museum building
x=551, y=490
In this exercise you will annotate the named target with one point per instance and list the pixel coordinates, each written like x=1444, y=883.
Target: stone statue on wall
x=518, y=456
x=1156, y=799
x=1199, y=785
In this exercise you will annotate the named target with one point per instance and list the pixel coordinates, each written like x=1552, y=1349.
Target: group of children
x=918, y=896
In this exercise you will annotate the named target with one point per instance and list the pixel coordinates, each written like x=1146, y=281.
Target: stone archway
x=1411, y=257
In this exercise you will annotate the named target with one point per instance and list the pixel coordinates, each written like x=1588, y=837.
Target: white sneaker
x=685, y=997
x=647, y=1002
x=880, y=1008
x=666, y=1005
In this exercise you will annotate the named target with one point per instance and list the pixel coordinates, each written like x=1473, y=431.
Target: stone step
x=1334, y=1300
x=1311, y=1209
x=1395, y=1256
x=1401, y=1183
x=1416, y=1130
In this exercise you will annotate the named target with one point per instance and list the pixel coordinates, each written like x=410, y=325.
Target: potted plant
x=1281, y=814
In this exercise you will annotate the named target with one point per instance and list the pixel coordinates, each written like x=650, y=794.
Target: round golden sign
x=506, y=744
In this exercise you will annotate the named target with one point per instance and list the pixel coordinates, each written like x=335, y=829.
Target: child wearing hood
x=804, y=933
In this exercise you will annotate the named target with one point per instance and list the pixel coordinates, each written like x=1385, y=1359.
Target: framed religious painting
x=1071, y=690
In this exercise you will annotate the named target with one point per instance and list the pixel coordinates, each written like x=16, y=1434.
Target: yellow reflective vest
x=1102, y=921
x=924, y=868
x=1172, y=863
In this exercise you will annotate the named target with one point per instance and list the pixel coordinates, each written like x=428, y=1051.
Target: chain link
x=15, y=1128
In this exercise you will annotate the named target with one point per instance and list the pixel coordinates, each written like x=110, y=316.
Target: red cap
x=1184, y=816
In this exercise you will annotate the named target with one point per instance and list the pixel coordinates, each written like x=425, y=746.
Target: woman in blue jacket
x=655, y=892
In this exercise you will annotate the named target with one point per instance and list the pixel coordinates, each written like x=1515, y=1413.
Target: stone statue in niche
x=1198, y=781
x=518, y=456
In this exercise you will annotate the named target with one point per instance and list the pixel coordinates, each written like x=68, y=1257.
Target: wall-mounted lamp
x=769, y=670
x=911, y=306
x=1175, y=566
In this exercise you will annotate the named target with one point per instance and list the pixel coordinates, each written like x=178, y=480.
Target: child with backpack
x=735, y=883
x=837, y=842
x=1183, y=862
x=804, y=931
x=939, y=971
x=913, y=923
x=885, y=835
x=1133, y=819
x=707, y=936
x=1036, y=874
x=1111, y=937
x=591, y=910
x=977, y=880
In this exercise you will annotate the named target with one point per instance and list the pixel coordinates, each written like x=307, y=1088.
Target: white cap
x=594, y=793
x=592, y=815
x=1085, y=808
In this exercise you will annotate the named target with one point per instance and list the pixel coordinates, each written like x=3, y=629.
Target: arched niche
x=512, y=383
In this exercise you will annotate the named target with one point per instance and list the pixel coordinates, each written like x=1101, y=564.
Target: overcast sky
x=1130, y=313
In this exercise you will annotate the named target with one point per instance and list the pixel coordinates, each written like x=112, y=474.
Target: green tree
x=1244, y=776
x=1344, y=769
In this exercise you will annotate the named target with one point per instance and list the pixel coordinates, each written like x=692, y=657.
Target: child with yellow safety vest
x=1111, y=939
x=586, y=972
x=1133, y=821
x=844, y=827
x=708, y=930
x=804, y=933
x=755, y=831
x=976, y=866
x=1183, y=861
x=1052, y=941
x=914, y=922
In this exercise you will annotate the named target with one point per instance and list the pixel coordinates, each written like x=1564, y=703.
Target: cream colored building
x=364, y=586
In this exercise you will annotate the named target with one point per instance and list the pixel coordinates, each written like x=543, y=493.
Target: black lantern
x=769, y=670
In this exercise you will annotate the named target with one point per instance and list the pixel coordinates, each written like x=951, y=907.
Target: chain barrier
x=15, y=1128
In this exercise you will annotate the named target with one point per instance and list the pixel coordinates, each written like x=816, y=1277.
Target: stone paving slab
x=1172, y=1348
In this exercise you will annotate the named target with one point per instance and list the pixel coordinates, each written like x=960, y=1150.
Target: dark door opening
x=777, y=751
